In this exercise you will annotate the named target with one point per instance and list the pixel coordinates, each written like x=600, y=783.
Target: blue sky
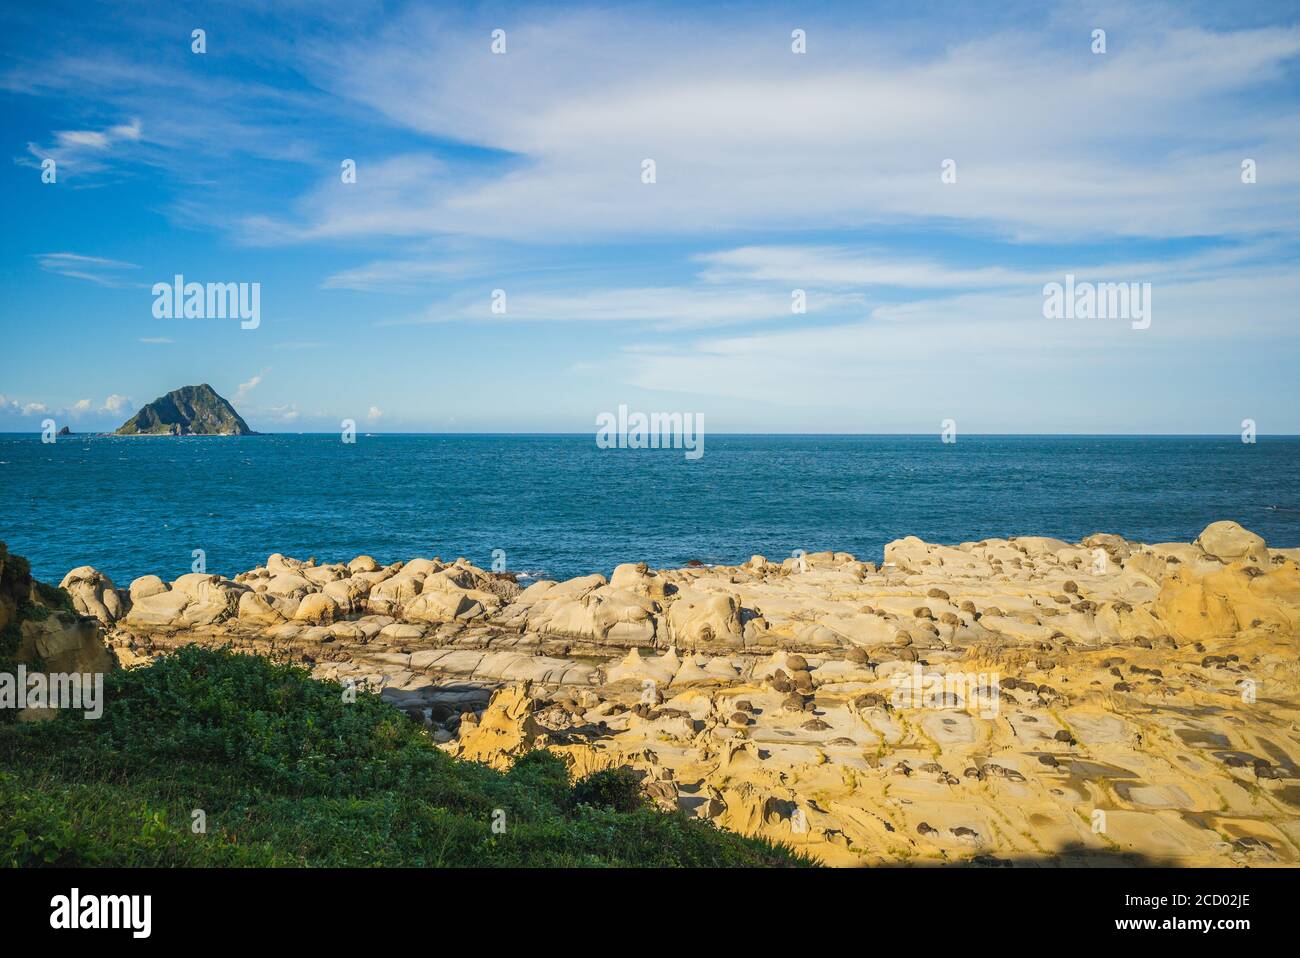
x=775, y=171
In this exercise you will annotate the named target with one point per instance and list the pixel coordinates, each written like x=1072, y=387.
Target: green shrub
x=618, y=789
x=286, y=772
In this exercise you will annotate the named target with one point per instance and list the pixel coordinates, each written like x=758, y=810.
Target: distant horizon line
x=828, y=435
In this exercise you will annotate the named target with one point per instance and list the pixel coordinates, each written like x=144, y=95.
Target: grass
x=285, y=773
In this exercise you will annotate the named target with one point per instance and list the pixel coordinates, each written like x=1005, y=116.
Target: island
x=188, y=411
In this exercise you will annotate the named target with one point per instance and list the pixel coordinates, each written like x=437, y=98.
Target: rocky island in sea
x=1007, y=701
x=188, y=411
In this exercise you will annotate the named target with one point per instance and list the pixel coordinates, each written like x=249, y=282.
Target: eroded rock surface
x=1021, y=700
x=50, y=631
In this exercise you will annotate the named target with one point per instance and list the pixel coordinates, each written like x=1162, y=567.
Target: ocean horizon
x=587, y=435
x=554, y=505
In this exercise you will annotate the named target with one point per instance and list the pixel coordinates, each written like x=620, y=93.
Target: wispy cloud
x=84, y=151
x=399, y=275
x=752, y=136
x=991, y=357
x=843, y=267
x=662, y=307
x=286, y=415
x=1049, y=140
x=247, y=387
x=93, y=269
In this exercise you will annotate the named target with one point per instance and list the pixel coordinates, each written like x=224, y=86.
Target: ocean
x=557, y=506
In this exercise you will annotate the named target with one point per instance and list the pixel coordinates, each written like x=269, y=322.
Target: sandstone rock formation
x=49, y=630
x=1022, y=699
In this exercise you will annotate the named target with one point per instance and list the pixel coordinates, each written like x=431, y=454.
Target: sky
x=920, y=172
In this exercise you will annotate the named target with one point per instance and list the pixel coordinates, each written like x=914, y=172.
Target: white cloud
x=395, y=275
x=128, y=131
x=246, y=388
x=284, y=415
x=97, y=139
x=84, y=151
x=758, y=283
x=836, y=266
x=87, y=138
x=841, y=267
x=990, y=358
x=94, y=269
x=113, y=405
x=667, y=307
x=1050, y=141
x=79, y=409
x=374, y=414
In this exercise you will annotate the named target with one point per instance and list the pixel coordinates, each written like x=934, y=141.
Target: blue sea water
x=559, y=506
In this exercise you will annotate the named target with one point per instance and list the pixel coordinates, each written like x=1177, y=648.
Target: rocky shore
x=1009, y=701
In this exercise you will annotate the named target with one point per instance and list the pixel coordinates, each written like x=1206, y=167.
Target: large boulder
x=317, y=607
x=161, y=609
x=572, y=588
x=256, y=608
x=703, y=620
x=637, y=577
x=350, y=594
x=146, y=586
x=320, y=575
x=911, y=554
x=624, y=618
x=213, y=599
x=288, y=585
x=443, y=605
x=277, y=564
x=1228, y=541
x=587, y=609
x=390, y=596
x=94, y=594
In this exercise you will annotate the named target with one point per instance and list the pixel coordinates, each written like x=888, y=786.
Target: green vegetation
x=616, y=788
x=287, y=773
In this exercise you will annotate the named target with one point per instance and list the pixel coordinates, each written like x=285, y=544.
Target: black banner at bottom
x=337, y=907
